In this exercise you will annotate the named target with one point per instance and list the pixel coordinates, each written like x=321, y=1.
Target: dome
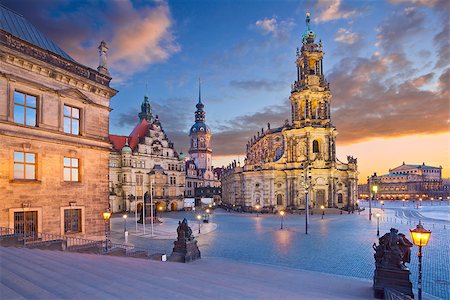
x=126, y=149
x=199, y=127
x=181, y=156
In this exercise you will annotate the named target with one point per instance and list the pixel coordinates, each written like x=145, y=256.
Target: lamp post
x=199, y=217
x=125, y=231
x=403, y=202
x=106, y=216
x=359, y=210
x=323, y=210
x=374, y=191
x=382, y=204
x=420, y=237
x=378, y=223
x=257, y=206
x=282, y=217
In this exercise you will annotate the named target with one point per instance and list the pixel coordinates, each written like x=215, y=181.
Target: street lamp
x=403, y=201
x=420, y=237
x=257, y=206
x=282, y=217
x=359, y=210
x=125, y=216
x=382, y=205
x=323, y=210
x=199, y=217
x=378, y=223
x=374, y=191
x=106, y=216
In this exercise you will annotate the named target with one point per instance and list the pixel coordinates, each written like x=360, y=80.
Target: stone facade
x=408, y=181
x=54, y=148
x=284, y=164
x=143, y=161
x=199, y=170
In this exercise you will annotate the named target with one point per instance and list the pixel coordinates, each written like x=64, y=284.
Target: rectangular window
x=24, y=109
x=72, y=220
x=24, y=165
x=139, y=179
x=71, y=169
x=172, y=180
x=71, y=120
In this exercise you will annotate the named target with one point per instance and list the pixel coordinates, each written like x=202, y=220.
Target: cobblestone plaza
x=338, y=244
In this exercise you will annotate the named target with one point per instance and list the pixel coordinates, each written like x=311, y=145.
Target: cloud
x=346, y=36
x=429, y=3
x=276, y=28
x=269, y=25
x=422, y=80
x=257, y=85
x=136, y=36
x=332, y=10
x=399, y=27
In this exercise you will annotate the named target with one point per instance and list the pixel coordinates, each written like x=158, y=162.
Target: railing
x=390, y=294
x=72, y=244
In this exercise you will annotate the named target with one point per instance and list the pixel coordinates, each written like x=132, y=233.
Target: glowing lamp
x=377, y=215
x=322, y=207
x=207, y=210
x=199, y=217
x=106, y=215
x=282, y=213
x=420, y=235
x=375, y=188
x=257, y=206
x=124, y=216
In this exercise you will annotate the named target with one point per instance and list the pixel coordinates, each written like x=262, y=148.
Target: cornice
x=48, y=57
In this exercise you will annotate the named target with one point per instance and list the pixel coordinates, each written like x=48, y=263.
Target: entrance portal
x=173, y=206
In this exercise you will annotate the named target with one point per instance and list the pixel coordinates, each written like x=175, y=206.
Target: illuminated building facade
x=54, y=125
x=143, y=161
x=408, y=181
x=284, y=164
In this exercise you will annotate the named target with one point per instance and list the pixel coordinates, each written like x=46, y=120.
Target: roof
x=18, y=26
x=119, y=141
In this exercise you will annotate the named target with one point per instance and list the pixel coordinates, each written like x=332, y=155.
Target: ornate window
x=279, y=199
x=340, y=200
x=315, y=146
x=71, y=120
x=72, y=220
x=24, y=165
x=24, y=109
x=71, y=169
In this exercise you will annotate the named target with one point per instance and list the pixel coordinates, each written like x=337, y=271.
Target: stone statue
x=391, y=255
x=393, y=251
x=185, y=247
x=184, y=231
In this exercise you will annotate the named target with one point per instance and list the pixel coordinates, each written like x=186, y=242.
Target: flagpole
x=151, y=204
x=143, y=206
x=135, y=206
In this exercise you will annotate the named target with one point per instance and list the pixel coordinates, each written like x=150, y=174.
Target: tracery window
x=315, y=146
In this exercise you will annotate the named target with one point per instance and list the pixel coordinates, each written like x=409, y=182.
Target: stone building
x=199, y=170
x=408, y=182
x=54, y=123
x=284, y=164
x=143, y=161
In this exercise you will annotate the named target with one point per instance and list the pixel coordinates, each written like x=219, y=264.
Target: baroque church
x=283, y=165
x=202, y=179
x=145, y=161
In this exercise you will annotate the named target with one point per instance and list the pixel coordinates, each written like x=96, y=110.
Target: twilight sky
x=388, y=64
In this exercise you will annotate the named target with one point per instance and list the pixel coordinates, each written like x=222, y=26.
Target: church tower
x=146, y=111
x=310, y=96
x=200, y=135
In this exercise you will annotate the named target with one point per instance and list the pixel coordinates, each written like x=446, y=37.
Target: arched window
x=339, y=198
x=315, y=146
x=279, y=199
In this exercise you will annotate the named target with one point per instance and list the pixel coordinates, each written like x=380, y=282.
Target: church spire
x=199, y=114
x=199, y=91
x=146, y=110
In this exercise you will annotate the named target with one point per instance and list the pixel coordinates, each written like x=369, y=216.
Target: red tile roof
x=139, y=131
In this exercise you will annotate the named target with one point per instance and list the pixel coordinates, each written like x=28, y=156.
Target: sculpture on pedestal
x=391, y=256
x=185, y=247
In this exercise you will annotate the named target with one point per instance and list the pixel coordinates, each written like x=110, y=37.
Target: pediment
x=76, y=94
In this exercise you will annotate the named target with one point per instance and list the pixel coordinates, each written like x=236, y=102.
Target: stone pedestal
x=395, y=279
x=185, y=251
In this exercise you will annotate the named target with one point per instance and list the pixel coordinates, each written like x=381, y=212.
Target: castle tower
x=146, y=111
x=310, y=95
x=200, y=135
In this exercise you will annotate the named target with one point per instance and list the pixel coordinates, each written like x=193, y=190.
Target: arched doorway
x=279, y=199
x=173, y=206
